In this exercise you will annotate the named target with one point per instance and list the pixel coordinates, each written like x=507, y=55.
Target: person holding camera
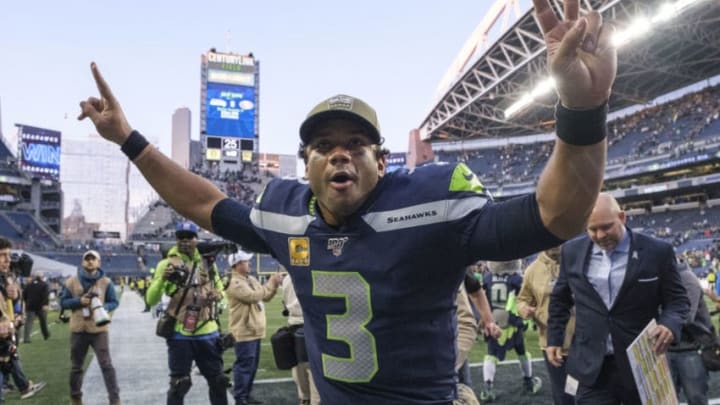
x=10, y=365
x=247, y=321
x=194, y=334
x=90, y=296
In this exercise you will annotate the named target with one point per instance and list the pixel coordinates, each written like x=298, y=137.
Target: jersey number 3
x=348, y=327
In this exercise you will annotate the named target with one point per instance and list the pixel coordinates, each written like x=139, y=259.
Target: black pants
x=42, y=317
x=610, y=388
x=558, y=377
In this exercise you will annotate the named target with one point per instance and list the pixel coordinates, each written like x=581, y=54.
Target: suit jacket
x=651, y=289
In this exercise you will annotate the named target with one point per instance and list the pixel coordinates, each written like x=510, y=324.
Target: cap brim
x=309, y=124
x=177, y=233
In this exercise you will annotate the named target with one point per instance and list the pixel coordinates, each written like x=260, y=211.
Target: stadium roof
x=671, y=50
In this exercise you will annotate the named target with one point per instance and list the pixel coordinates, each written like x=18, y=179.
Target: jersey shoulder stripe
x=423, y=214
x=432, y=194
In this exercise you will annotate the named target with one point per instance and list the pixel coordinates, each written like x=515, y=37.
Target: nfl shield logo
x=336, y=245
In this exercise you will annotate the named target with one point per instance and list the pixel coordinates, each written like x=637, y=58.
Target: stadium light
x=639, y=27
x=518, y=105
x=668, y=11
x=541, y=89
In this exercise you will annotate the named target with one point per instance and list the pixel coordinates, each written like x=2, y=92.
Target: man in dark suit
x=618, y=280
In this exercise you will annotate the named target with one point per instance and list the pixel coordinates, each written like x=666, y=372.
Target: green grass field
x=275, y=320
x=50, y=360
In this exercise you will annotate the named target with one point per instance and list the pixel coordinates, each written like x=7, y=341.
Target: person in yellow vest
x=87, y=294
x=9, y=356
x=194, y=290
x=711, y=279
x=142, y=285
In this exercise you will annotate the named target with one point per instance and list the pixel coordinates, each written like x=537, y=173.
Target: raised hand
x=581, y=57
x=277, y=279
x=105, y=112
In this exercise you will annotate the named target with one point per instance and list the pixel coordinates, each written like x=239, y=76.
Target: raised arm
x=583, y=63
x=189, y=194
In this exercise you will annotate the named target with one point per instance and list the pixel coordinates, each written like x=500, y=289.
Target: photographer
x=194, y=289
x=90, y=295
x=9, y=357
x=247, y=321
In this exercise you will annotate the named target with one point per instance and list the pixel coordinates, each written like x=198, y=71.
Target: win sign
x=39, y=151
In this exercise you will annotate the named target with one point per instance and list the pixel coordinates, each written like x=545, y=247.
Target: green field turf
x=50, y=361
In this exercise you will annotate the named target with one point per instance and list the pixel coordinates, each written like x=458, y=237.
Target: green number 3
x=348, y=327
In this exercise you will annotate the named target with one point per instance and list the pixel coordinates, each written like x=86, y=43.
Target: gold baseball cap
x=342, y=106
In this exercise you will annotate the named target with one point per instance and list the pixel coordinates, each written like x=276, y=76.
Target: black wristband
x=134, y=145
x=581, y=127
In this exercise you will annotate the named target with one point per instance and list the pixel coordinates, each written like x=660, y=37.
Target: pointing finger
x=102, y=85
x=546, y=18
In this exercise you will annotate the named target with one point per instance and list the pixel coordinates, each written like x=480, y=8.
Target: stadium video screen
x=39, y=151
x=230, y=110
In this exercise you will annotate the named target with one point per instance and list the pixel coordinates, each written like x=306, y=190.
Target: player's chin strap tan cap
x=342, y=106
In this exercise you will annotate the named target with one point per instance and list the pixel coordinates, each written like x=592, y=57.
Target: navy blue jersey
x=501, y=291
x=378, y=293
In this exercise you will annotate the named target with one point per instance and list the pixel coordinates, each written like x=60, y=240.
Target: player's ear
x=302, y=153
x=381, y=161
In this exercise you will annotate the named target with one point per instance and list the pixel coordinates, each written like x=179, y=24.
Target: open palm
x=580, y=54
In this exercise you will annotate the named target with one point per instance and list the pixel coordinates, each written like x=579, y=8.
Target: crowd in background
x=677, y=128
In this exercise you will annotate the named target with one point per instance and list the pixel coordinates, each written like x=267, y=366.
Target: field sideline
x=50, y=361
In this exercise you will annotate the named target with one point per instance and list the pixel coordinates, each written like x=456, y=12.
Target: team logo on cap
x=341, y=102
x=299, y=251
x=336, y=245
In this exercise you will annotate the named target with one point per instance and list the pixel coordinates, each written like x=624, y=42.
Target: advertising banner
x=39, y=151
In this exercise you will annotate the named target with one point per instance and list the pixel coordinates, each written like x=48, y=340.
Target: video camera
x=210, y=249
x=21, y=264
x=8, y=353
x=214, y=247
x=227, y=341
